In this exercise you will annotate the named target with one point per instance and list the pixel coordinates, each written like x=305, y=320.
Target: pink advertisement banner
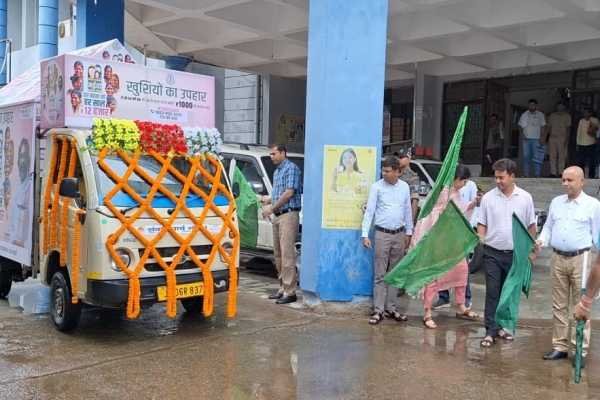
x=17, y=130
x=76, y=89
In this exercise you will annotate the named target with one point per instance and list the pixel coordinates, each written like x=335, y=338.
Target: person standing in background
x=531, y=124
x=559, y=124
x=412, y=180
x=586, y=142
x=495, y=141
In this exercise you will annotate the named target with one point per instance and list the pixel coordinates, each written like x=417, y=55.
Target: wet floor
x=277, y=352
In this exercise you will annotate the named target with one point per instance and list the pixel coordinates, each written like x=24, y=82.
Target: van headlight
x=228, y=247
x=126, y=257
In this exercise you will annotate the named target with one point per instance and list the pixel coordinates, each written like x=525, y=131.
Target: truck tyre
x=64, y=314
x=5, y=283
x=193, y=305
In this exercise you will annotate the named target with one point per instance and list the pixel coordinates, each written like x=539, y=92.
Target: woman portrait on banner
x=19, y=209
x=457, y=277
x=347, y=176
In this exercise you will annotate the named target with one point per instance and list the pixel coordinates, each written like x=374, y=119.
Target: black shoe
x=287, y=299
x=555, y=355
x=582, y=361
x=276, y=296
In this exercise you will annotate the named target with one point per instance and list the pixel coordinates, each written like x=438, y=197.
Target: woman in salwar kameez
x=457, y=277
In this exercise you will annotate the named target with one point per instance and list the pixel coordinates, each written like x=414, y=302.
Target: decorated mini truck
x=129, y=217
x=110, y=193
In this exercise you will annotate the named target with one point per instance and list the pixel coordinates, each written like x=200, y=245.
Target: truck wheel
x=193, y=305
x=64, y=314
x=5, y=283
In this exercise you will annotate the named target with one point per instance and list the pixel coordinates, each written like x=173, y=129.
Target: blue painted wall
x=100, y=22
x=48, y=28
x=346, y=74
x=3, y=35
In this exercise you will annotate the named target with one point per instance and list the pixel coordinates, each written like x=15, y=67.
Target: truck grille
x=202, y=251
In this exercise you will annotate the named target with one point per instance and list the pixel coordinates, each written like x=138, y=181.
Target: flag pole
x=580, y=324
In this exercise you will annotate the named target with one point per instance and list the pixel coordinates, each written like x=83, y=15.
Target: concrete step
x=543, y=190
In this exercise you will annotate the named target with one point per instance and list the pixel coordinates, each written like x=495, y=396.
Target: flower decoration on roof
x=115, y=134
x=161, y=138
x=203, y=140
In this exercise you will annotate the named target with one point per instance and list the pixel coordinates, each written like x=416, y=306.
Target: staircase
x=543, y=190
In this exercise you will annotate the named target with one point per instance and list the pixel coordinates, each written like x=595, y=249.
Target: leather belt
x=287, y=210
x=570, y=253
x=390, y=231
x=485, y=246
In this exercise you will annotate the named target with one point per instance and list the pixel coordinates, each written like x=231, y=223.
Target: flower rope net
x=145, y=208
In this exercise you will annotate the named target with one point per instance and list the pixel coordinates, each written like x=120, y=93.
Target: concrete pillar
x=99, y=21
x=3, y=35
x=346, y=74
x=48, y=28
x=428, y=96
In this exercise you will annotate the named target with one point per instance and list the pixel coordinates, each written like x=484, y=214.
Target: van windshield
x=141, y=187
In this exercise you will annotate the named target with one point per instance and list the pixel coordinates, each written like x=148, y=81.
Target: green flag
x=518, y=279
x=442, y=241
x=247, y=211
x=446, y=176
x=445, y=245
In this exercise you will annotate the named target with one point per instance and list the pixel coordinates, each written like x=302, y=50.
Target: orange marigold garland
x=46, y=207
x=65, y=203
x=153, y=143
x=55, y=198
x=75, y=257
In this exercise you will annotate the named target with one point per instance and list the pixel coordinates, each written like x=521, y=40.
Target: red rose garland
x=161, y=138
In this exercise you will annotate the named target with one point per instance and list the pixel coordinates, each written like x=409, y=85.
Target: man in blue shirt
x=285, y=205
x=389, y=206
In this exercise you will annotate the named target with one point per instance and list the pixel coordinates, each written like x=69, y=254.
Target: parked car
x=255, y=164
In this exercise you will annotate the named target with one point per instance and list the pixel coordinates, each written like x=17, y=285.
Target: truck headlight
x=125, y=255
x=228, y=247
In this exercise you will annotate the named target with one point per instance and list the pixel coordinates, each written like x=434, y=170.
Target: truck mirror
x=69, y=187
x=258, y=187
x=235, y=190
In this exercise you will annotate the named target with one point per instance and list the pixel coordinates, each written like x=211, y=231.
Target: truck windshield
x=150, y=167
x=270, y=167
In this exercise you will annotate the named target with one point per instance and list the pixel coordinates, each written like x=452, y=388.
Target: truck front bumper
x=114, y=293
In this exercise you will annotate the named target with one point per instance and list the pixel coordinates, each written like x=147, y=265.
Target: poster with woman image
x=348, y=172
x=17, y=125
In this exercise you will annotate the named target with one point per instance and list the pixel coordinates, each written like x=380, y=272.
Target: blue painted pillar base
x=100, y=21
x=345, y=84
x=48, y=28
x=3, y=35
x=178, y=63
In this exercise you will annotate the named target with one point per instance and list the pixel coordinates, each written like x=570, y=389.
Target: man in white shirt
x=389, y=207
x=495, y=230
x=572, y=228
x=531, y=124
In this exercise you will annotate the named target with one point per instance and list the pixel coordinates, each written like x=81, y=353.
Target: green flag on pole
x=247, y=210
x=442, y=241
x=518, y=279
x=449, y=241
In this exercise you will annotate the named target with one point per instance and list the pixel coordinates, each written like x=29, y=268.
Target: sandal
x=467, y=315
x=502, y=334
x=429, y=323
x=487, y=342
x=375, y=318
x=395, y=315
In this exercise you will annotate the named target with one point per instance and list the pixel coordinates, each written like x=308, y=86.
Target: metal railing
x=7, y=59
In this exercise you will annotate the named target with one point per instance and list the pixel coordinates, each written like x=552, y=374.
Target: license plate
x=182, y=291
